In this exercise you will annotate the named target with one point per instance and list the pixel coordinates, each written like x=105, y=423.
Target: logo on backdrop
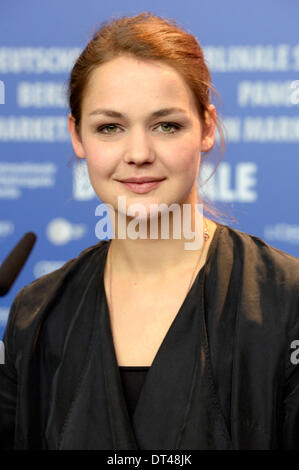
x=82, y=189
x=294, y=96
x=230, y=184
x=282, y=232
x=60, y=231
x=7, y=227
x=18, y=176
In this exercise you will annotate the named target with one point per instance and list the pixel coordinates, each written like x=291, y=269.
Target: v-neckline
x=190, y=292
x=156, y=411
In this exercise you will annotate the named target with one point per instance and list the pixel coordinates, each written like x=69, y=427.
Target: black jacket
x=222, y=378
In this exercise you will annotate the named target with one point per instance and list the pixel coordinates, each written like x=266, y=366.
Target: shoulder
x=30, y=300
x=260, y=255
x=46, y=282
x=263, y=275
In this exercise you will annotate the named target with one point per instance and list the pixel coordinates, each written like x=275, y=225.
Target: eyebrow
x=115, y=114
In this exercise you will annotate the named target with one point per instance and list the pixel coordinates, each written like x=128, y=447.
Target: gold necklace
x=206, y=236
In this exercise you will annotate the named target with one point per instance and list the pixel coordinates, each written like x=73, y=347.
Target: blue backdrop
x=252, y=50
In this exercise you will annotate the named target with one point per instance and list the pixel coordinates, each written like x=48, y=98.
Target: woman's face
x=135, y=142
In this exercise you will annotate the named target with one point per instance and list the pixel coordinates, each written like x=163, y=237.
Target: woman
x=142, y=343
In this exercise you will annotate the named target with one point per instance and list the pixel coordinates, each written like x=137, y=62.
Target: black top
x=223, y=378
x=133, y=378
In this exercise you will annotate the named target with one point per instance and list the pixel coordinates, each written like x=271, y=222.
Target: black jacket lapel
x=88, y=409
x=70, y=348
x=178, y=407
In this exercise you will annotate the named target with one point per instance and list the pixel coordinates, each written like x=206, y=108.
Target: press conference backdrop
x=252, y=50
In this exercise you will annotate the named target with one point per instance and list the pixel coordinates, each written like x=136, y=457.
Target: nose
x=139, y=149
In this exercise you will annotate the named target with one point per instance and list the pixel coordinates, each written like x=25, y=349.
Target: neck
x=153, y=259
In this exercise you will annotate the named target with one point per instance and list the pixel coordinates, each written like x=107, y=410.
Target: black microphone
x=15, y=261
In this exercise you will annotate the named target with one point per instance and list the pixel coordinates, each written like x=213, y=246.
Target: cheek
x=99, y=162
x=185, y=160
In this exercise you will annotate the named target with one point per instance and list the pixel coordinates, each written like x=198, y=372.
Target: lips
x=145, y=179
x=141, y=188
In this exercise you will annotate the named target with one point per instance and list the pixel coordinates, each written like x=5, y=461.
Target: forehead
x=127, y=81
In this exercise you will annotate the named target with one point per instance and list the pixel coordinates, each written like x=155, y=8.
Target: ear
x=209, y=129
x=76, y=141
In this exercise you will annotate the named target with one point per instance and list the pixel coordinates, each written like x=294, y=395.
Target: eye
x=171, y=124
x=100, y=129
x=113, y=126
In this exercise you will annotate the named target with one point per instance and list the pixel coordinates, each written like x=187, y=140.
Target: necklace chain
x=206, y=236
